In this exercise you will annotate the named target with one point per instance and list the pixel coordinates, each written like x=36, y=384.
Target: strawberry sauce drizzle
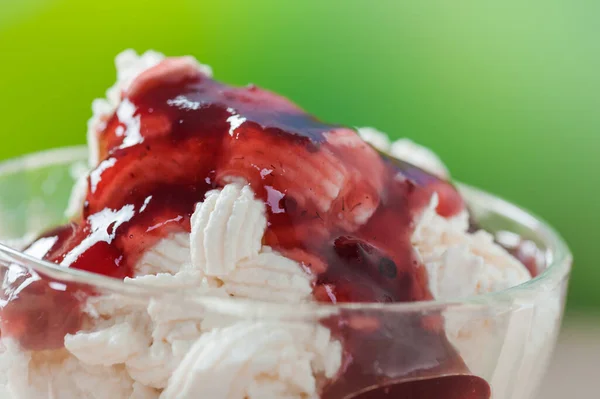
x=334, y=204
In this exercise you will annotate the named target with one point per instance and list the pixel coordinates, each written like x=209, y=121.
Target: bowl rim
x=557, y=271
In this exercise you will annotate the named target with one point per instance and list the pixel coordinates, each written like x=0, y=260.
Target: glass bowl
x=496, y=344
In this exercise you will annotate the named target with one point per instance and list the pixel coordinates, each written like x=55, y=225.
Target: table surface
x=575, y=368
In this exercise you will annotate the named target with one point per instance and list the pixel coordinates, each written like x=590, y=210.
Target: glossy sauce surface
x=334, y=204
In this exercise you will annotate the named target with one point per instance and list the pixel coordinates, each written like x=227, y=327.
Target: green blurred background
x=507, y=93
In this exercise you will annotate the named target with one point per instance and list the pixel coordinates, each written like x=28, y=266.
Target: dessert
x=237, y=192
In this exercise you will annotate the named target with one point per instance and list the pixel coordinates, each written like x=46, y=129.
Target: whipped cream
x=256, y=361
x=168, y=256
x=406, y=150
x=41, y=375
x=227, y=231
x=461, y=264
x=269, y=277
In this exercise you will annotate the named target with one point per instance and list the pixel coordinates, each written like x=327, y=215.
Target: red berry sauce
x=333, y=203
